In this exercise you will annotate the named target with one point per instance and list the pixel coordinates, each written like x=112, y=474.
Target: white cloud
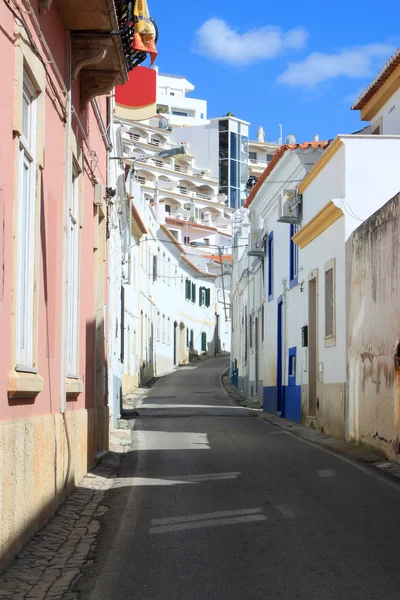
x=218, y=40
x=354, y=63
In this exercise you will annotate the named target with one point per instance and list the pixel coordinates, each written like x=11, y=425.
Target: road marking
x=206, y=523
x=326, y=473
x=211, y=515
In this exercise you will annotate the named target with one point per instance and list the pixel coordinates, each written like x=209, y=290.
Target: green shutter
x=204, y=342
x=208, y=297
x=193, y=292
x=200, y=295
x=188, y=287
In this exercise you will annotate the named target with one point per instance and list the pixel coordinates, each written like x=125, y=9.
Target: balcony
x=98, y=58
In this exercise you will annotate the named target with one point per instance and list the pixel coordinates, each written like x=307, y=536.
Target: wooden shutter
x=122, y=324
x=193, y=292
x=208, y=297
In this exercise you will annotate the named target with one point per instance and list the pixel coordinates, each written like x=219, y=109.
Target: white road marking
x=210, y=523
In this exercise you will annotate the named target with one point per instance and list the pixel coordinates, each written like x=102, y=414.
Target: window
x=262, y=322
x=188, y=289
x=172, y=93
x=330, y=303
x=269, y=157
x=163, y=329
x=141, y=179
x=158, y=327
x=168, y=209
x=182, y=189
x=169, y=331
x=178, y=113
x=164, y=266
x=253, y=157
x=187, y=337
x=204, y=342
x=155, y=267
x=292, y=367
x=154, y=141
x=191, y=339
x=73, y=276
x=134, y=136
x=25, y=291
x=193, y=292
x=245, y=335
x=159, y=163
x=294, y=257
x=202, y=296
x=206, y=241
x=169, y=271
x=186, y=239
x=251, y=331
x=270, y=266
x=208, y=294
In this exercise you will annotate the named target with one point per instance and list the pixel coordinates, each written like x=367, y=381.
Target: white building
x=261, y=153
x=174, y=104
x=322, y=351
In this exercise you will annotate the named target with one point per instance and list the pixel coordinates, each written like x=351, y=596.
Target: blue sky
x=296, y=63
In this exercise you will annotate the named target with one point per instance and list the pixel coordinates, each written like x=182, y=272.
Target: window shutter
x=208, y=297
x=154, y=268
x=193, y=292
x=187, y=293
x=203, y=342
x=200, y=296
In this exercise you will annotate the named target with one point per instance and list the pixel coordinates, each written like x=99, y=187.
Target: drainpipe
x=67, y=194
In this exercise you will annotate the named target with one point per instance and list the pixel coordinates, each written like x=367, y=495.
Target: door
x=312, y=347
x=175, y=342
x=256, y=350
x=279, y=360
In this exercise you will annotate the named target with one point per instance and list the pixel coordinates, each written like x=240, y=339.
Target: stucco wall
x=42, y=459
x=374, y=331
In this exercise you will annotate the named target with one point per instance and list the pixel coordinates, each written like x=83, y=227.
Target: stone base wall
x=42, y=459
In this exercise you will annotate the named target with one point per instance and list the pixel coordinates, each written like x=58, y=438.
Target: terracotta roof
x=195, y=268
x=274, y=161
x=377, y=83
x=216, y=258
x=171, y=237
x=136, y=216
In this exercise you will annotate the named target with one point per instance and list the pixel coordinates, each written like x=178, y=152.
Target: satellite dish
x=163, y=123
x=290, y=139
x=250, y=183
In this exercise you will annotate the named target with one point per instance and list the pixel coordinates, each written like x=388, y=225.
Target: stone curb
x=235, y=394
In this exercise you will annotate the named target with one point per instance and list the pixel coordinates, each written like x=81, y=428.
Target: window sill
x=293, y=283
x=73, y=387
x=24, y=385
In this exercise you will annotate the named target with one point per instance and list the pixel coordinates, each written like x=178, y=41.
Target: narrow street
x=213, y=502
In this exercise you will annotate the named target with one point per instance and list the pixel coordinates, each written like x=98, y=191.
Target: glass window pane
x=25, y=114
x=234, y=146
x=329, y=302
x=223, y=125
x=223, y=145
x=223, y=173
x=234, y=199
x=244, y=174
x=234, y=179
x=244, y=149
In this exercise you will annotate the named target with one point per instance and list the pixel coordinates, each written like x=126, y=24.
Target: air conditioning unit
x=291, y=209
x=256, y=237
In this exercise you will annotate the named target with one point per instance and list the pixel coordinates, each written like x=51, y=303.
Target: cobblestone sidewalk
x=51, y=562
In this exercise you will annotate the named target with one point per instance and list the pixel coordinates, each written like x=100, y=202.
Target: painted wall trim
x=381, y=96
x=320, y=164
x=318, y=224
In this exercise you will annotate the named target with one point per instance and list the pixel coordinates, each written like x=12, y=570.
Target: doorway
x=312, y=347
x=175, y=342
x=279, y=360
x=256, y=337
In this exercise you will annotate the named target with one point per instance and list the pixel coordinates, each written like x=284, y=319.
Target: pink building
x=53, y=173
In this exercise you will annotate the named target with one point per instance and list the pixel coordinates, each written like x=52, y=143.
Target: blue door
x=279, y=374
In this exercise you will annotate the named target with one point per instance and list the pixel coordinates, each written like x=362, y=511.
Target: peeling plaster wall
x=374, y=331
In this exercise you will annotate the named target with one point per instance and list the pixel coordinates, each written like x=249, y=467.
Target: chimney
x=260, y=134
x=316, y=138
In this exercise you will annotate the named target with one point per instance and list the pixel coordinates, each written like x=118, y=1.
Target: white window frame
x=330, y=340
x=25, y=284
x=73, y=276
x=163, y=329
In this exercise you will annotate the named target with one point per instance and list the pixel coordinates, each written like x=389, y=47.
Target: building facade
x=54, y=143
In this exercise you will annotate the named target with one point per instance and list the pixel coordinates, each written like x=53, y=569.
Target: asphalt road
x=214, y=503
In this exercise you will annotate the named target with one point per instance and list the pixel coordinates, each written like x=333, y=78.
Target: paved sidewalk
x=51, y=562
x=358, y=452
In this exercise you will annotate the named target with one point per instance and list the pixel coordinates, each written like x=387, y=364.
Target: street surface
x=212, y=502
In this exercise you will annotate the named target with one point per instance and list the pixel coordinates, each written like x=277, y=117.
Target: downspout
x=65, y=283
